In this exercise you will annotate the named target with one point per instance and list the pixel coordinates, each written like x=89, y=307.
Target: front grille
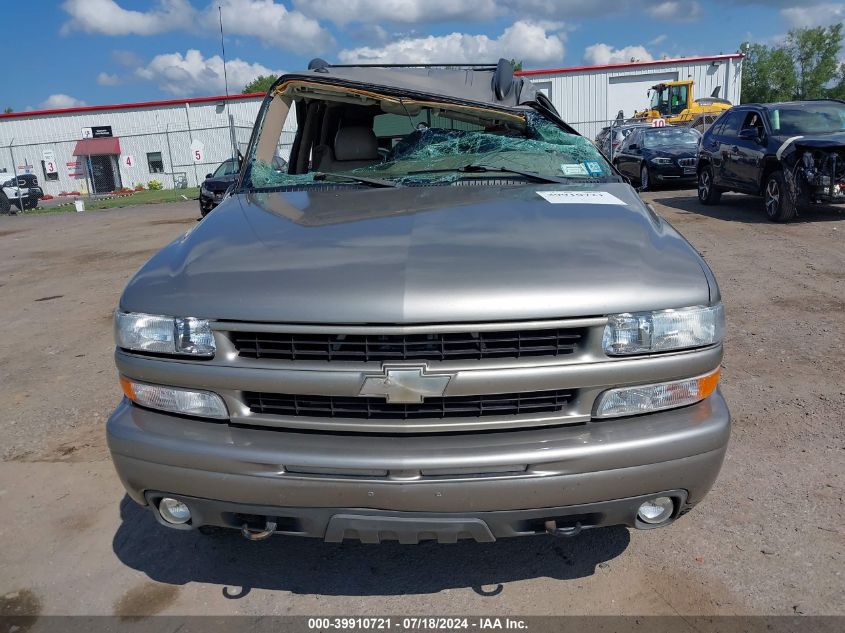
x=687, y=162
x=390, y=347
x=528, y=403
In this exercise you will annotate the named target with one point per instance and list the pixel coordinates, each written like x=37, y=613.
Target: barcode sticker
x=580, y=197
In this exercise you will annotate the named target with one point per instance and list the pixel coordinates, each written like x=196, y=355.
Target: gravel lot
x=768, y=540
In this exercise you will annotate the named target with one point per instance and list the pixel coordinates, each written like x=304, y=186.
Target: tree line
x=805, y=66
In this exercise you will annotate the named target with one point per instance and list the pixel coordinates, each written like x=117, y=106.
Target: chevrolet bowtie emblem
x=405, y=384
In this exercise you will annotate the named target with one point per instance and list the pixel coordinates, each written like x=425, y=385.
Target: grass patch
x=148, y=196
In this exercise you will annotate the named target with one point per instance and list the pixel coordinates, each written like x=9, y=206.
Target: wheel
x=777, y=202
x=29, y=203
x=707, y=192
x=645, y=178
x=5, y=205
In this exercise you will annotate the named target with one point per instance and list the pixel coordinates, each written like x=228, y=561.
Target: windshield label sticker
x=573, y=169
x=580, y=197
x=594, y=168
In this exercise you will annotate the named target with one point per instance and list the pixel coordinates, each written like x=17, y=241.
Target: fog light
x=174, y=511
x=656, y=510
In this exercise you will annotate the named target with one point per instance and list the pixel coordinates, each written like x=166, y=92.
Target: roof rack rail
x=485, y=66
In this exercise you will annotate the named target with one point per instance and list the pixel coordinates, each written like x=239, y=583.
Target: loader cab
x=670, y=99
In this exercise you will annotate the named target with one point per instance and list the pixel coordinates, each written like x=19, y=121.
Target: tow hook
x=252, y=534
x=563, y=532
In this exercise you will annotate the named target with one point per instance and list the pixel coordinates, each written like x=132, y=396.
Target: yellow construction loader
x=674, y=102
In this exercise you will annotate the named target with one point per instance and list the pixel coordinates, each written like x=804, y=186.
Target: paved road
x=768, y=540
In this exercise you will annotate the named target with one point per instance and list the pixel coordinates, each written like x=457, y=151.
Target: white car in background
x=13, y=194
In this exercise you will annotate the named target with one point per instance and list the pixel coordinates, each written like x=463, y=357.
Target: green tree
x=517, y=65
x=815, y=52
x=768, y=74
x=8, y=109
x=838, y=89
x=259, y=84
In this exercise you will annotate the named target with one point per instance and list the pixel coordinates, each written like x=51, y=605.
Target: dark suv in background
x=793, y=154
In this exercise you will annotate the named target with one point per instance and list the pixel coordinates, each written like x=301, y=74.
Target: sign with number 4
x=129, y=161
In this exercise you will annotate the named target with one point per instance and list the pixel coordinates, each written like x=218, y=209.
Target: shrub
x=139, y=186
x=154, y=184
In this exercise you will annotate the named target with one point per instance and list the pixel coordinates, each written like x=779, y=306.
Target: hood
x=673, y=152
x=220, y=183
x=821, y=141
x=421, y=255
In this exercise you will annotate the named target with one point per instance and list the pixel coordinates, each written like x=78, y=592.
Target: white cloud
x=537, y=42
x=271, y=23
x=659, y=39
x=818, y=15
x=61, y=101
x=268, y=21
x=676, y=10
x=108, y=18
x=344, y=12
x=399, y=11
x=105, y=79
x=600, y=54
x=192, y=73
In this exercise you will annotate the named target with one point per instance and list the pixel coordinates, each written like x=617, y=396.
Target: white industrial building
x=103, y=148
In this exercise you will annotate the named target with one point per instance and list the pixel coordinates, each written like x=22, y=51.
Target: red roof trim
x=127, y=106
x=653, y=62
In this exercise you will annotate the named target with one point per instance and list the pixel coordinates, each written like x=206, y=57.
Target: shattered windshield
x=413, y=145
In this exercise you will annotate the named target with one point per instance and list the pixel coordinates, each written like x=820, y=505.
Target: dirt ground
x=769, y=538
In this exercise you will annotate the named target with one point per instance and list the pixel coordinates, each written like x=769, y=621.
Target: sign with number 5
x=197, y=151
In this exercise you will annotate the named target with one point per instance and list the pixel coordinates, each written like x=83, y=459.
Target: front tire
x=5, y=205
x=777, y=202
x=707, y=192
x=645, y=178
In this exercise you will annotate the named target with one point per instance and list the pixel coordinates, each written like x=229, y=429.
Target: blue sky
x=76, y=52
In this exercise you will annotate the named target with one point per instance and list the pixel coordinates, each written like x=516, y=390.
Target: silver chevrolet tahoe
x=447, y=318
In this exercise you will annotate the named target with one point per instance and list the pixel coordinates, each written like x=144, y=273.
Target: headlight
x=649, y=332
x=183, y=401
x=163, y=334
x=661, y=161
x=647, y=398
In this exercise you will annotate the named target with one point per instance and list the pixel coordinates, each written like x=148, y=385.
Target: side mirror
x=208, y=175
x=634, y=147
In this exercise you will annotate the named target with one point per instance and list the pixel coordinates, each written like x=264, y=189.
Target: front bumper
x=502, y=483
x=673, y=173
x=210, y=199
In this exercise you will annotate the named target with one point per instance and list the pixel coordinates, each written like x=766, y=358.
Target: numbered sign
x=129, y=161
x=197, y=151
x=87, y=132
x=658, y=123
x=50, y=164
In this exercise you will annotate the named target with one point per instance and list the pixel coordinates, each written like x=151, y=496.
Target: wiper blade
x=482, y=169
x=374, y=182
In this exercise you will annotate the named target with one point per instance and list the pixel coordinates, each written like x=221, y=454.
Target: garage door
x=628, y=93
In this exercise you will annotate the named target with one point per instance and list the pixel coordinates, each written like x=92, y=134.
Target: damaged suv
x=793, y=154
x=447, y=318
